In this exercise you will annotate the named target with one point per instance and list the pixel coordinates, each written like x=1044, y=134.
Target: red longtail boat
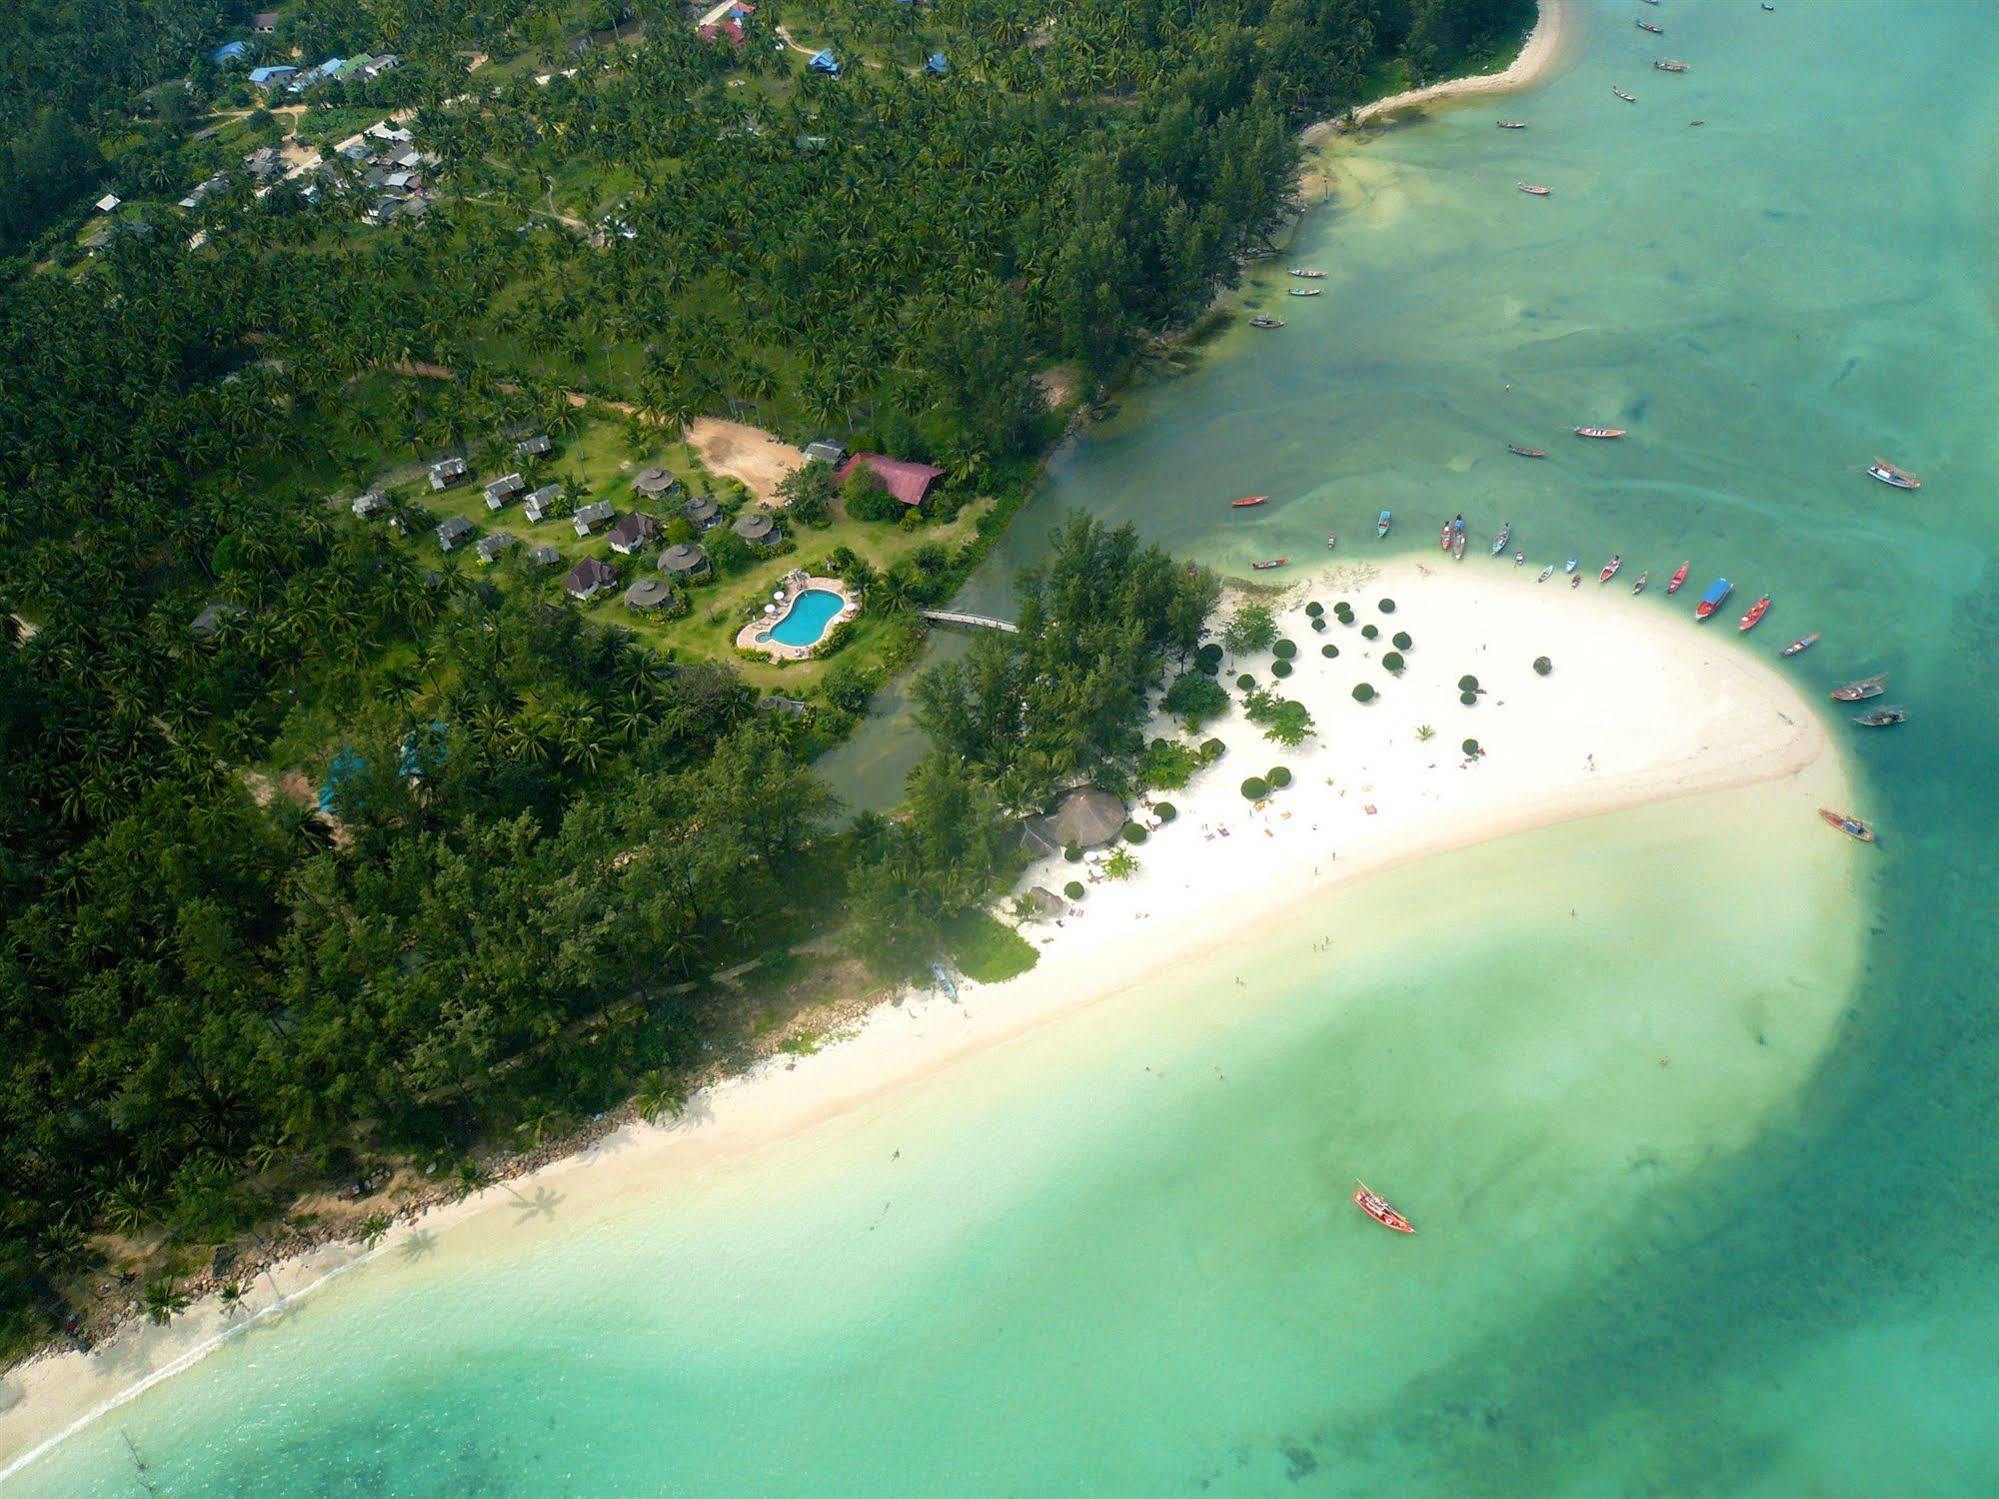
x=1679, y=578
x=1755, y=615
x=1377, y=1207
x=1247, y=500
x=1264, y=567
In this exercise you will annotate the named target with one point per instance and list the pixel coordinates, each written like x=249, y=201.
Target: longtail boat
x=1860, y=691
x=1381, y=525
x=1304, y=291
x=1610, y=568
x=1546, y=573
x=1533, y=190
x=1263, y=321
x=1499, y=541
x=1571, y=564
x=1627, y=98
x=1248, y=500
x=1377, y=1207
x=1645, y=25
x=1639, y=586
x=1853, y=827
x=1458, y=547
x=1755, y=615
x=1671, y=65
x=1308, y=275
x=1444, y=536
x=1714, y=598
x=1887, y=473
x=1802, y=643
x=1519, y=452
x=1600, y=433
x=1512, y=124
x=1264, y=567
x=1882, y=718
x=1679, y=578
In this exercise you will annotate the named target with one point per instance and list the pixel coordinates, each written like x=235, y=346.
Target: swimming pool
x=806, y=620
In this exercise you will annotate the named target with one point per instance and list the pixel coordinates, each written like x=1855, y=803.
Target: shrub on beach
x=1363, y=693
x=1245, y=681
x=1194, y=699
x=1252, y=629
x=1386, y=606
x=1393, y=662
x=1402, y=640
x=1074, y=889
x=1280, y=668
x=1073, y=852
x=1134, y=832
x=1255, y=789
x=1212, y=750
x=1284, y=650
x=1315, y=608
x=1470, y=747
x=1469, y=699
x=1319, y=623
x=1329, y=650
x=1279, y=776
x=1168, y=765
x=1209, y=652
x=1370, y=632
x=1542, y=666
x=1165, y=811
x=1468, y=683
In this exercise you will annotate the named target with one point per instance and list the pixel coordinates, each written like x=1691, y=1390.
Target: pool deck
x=755, y=636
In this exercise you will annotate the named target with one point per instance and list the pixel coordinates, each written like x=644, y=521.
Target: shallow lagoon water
x=1767, y=1268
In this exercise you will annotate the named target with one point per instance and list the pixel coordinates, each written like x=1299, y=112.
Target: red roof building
x=908, y=482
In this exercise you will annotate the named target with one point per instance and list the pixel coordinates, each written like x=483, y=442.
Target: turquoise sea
x=1115, y=1256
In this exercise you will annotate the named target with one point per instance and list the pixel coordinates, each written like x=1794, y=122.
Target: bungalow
x=632, y=532
x=685, y=561
x=387, y=62
x=703, y=512
x=757, y=528
x=653, y=483
x=908, y=482
x=593, y=515
x=543, y=503
x=544, y=555
x=414, y=210
x=107, y=203
x=367, y=504
x=534, y=445
x=589, y=578
x=403, y=182
x=825, y=450
x=490, y=547
x=201, y=190
x=382, y=210
x=354, y=67
x=355, y=148
x=825, y=62
x=384, y=131
x=265, y=161
x=1087, y=817
x=264, y=22
x=453, y=530
x=730, y=30
x=228, y=52
x=271, y=77
x=647, y=595
x=313, y=77
x=208, y=624
x=506, y=487
x=935, y=65
x=447, y=472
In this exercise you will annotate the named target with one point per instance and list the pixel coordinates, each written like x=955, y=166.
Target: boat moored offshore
x=1887, y=473
x=1755, y=615
x=1801, y=644
x=1860, y=691
x=1377, y=1207
x=1679, y=578
x=1714, y=598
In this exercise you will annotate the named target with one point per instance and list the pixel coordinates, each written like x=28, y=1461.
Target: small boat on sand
x=1266, y=566
x=1671, y=65
x=1546, y=573
x=1853, y=827
x=1458, y=547
x=1887, y=473
x=1610, y=568
x=1882, y=718
x=1512, y=124
x=1263, y=321
x=1602, y=434
x=1376, y=1207
x=1714, y=598
x=1519, y=452
x=1755, y=615
x=1499, y=541
x=1644, y=25
x=1575, y=580
x=1860, y=691
x=1627, y=98
x=1533, y=189
x=1444, y=536
x=1304, y=291
x=1381, y=525
x=1679, y=578
x=1332, y=541
x=1570, y=565
x=1639, y=587
x=1308, y=275
x=1519, y=559
x=1248, y=500
x=1802, y=643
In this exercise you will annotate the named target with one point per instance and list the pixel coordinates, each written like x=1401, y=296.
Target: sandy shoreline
x=1642, y=707
x=1537, y=57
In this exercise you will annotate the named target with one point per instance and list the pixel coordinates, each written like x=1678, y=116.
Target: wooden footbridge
x=970, y=621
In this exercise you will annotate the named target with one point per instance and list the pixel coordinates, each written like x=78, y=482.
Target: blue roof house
x=228, y=52
x=347, y=766
x=935, y=65
x=272, y=75
x=422, y=752
x=825, y=62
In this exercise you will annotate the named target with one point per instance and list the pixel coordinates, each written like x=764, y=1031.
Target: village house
x=534, y=445
x=758, y=529
x=506, y=487
x=271, y=77
x=452, y=531
x=631, y=534
x=825, y=450
x=368, y=504
x=207, y=624
x=589, y=578
x=490, y=547
x=653, y=483
x=264, y=22
x=229, y=52
x=685, y=561
x=107, y=203
x=201, y=190
x=544, y=555
x=265, y=161
x=543, y=503
x=591, y=516
x=703, y=512
x=447, y=472
x=908, y=482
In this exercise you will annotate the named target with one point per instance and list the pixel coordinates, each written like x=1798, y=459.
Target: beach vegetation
x=1363, y=692
x=1402, y=642
x=1169, y=765
x=1393, y=663
x=1425, y=733
x=1133, y=832
x=1120, y=865
x=1072, y=852
x=1469, y=699
x=661, y=1095
x=1246, y=682
x=1212, y=750
x=1284, y=650
x=1370, y=632
x=1250, y=629
x=1255, y=788
x=1386, y=606
x=1282, y=719
x=1470, y=747
x=1280, y=669
x=1165, y=811
x=163, y=1300
x=1195, y=700
x=1319, y=624
x=986, y=950
x=1468, y=683
x=1074, y=890
x=1329, y=650
x=1211, y=652
x=1315, y=609
x=1542, y=666
x=1279, y=776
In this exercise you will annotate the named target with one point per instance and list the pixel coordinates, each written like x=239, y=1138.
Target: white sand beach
x=1642, y=705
